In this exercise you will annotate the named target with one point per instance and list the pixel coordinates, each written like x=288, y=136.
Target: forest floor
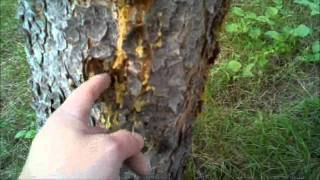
x=261, y=117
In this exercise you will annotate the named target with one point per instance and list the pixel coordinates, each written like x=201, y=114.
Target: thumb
x=128, y=143
x=129, y=146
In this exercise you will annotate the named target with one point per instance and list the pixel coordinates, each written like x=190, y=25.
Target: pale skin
x=67, y=148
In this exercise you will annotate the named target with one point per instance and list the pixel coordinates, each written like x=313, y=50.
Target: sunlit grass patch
x=262, y=113
x=237, y=143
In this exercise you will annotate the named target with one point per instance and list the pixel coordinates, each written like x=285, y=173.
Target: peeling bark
x=157, y=53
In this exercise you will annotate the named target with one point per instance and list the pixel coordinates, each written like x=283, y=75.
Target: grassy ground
x=16, y=112
x=262, y=106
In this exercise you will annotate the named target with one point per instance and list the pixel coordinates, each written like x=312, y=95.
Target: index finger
x=81, y=100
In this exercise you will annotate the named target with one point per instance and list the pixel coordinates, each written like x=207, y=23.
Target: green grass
x=262, y=104
x=262, y=108
x=16, y=111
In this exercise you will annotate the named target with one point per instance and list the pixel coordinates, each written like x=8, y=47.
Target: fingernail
x=108, y=79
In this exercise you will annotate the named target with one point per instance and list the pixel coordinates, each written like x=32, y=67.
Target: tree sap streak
x=130, y=71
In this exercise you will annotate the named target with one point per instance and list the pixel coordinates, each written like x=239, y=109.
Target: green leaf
x=317, y=57
x=30, y=134
x=247, y=72
x=274, y=35
x=255, y=33
x=313, y=6
x=243, y=28
x=234, y=66
x=311, y=58
x=232, y=27
x=20, y=134
x=264, y=19
x=287, y=31
x=316, y=46
x=263, y=62
x=315, y=9
x=302, y=2
x=237, y=11
x=271, y=12
x=251, y=15
x=302, y=31
x=278, y=2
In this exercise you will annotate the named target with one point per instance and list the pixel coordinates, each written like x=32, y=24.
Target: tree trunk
x=157, y=53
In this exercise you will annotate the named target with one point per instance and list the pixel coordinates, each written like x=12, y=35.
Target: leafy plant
x=316, y=51
x=238, y=11
x=316, y=46
x=263, y=33
x=234, y=66
x=314, y=6
x=271, y=12
x=28, y=133
x=247, y=72
x=255, y=33
x=274, y=35
x=301, y=31
x=233, y=27
x=311, y=54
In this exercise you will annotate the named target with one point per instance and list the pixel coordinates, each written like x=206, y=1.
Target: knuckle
x=113, y=145
x=90, y=93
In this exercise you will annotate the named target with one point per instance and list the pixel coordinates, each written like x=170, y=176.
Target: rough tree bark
x=156, y=51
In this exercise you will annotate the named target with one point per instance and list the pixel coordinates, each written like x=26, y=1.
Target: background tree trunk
x=157, y=53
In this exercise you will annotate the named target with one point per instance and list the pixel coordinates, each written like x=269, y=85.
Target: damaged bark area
x=157, y=53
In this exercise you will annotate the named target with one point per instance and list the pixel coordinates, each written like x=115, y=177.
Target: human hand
x=66, y=147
